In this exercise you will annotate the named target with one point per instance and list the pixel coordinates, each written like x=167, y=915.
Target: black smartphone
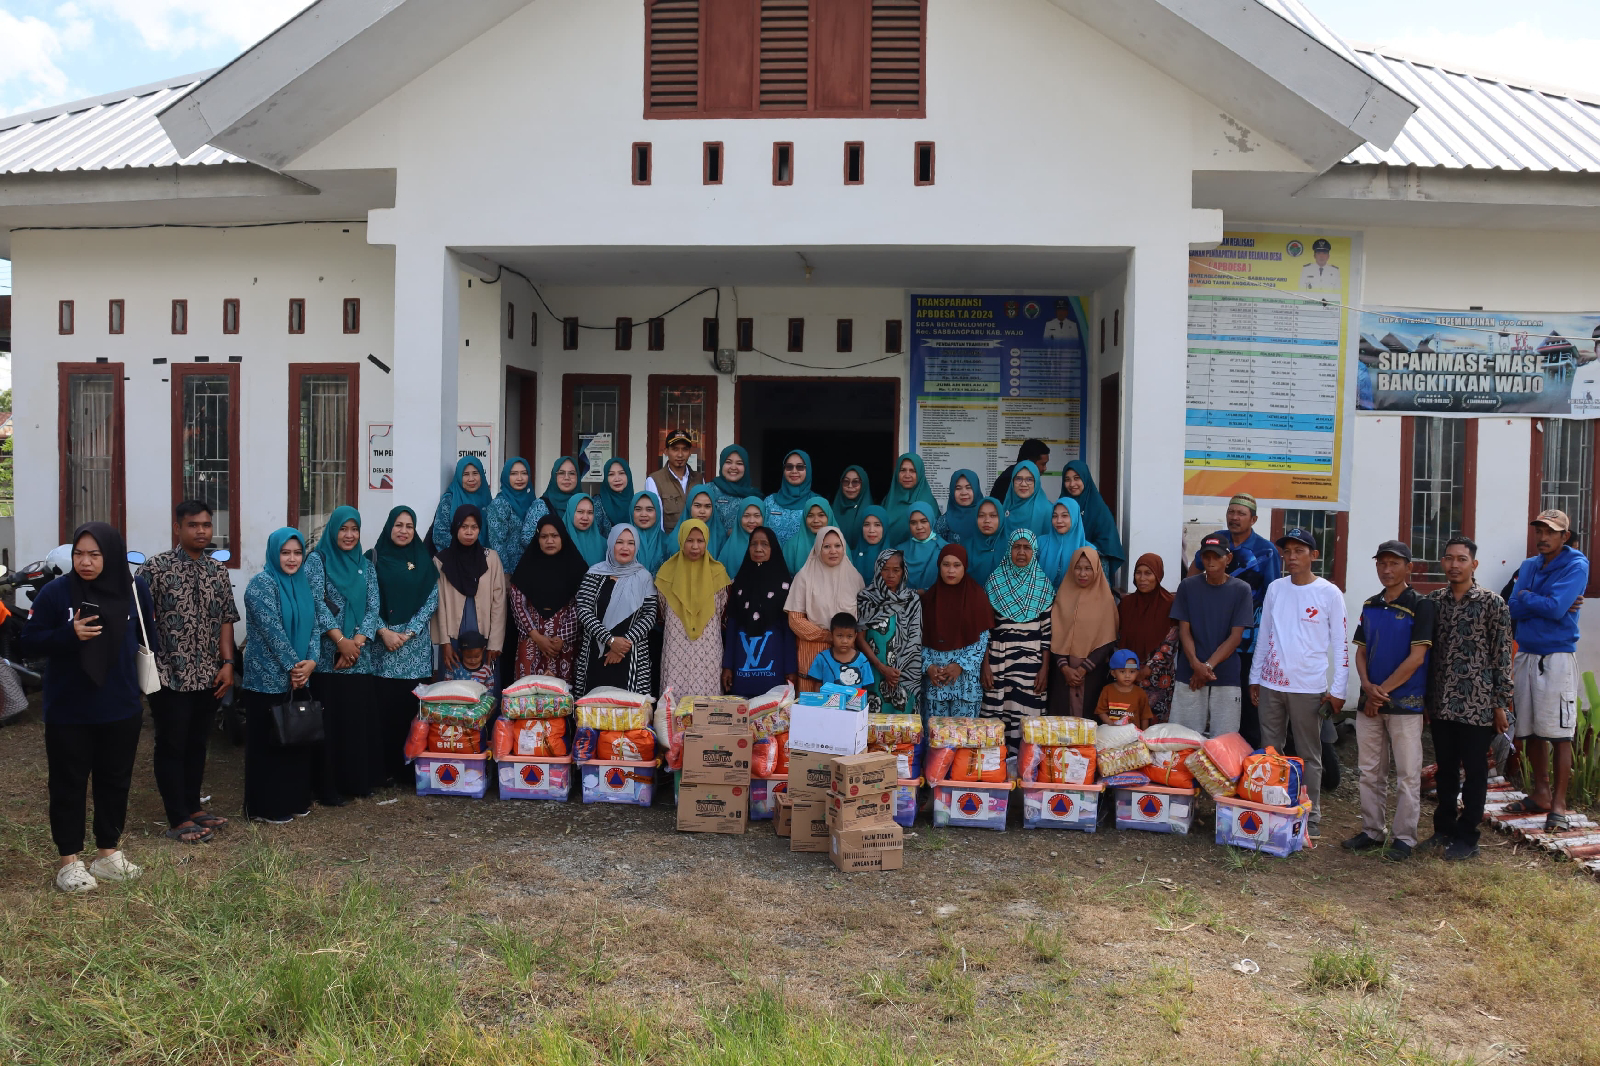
x=89, y=610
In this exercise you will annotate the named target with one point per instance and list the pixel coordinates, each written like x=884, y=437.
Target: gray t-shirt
x=1212, y=611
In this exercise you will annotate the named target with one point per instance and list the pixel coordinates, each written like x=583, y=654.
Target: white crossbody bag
x=149, y=672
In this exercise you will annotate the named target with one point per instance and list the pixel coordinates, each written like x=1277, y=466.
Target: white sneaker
x=115, y=867
x=75, y=877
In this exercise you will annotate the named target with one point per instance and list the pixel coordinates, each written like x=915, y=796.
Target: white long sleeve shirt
x=1302, y=639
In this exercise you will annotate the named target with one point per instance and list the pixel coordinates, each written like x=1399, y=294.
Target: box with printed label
x=1061, y=806
x=810, y=773
x=719, y=714
x=871, y=771
x=764, y=793
x=1155, y=808
x=630, y=783
x=782, y=813
x=1279, y=831
x=452, y=775
x=875, y=838
x=534, y=779
x=867, y=810
x=713, y=808
x=716, y=758
x=808, y=825
x=827, y=729
x=854, y=861
x=972, y=806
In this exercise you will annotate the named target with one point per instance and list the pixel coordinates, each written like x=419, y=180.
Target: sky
x=55, y=52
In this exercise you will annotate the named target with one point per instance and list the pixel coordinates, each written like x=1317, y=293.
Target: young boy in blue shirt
x=844, y=663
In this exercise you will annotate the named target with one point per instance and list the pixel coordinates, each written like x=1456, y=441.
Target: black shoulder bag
x=297, y=723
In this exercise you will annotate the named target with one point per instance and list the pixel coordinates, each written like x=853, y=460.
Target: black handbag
x=297, y=723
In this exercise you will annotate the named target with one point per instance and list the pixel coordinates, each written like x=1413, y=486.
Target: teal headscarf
x=618, y=506
x=798, y=548
x=1099, y=526
x=984, y=550
x=849, y=511
x=922, y=556
x=460, y=496
x=591, y=545
x=1031, y=513
x=864, y=555
x=522, y=499
x=899, y=499
x=962, y=522
x=1020, y=593
x=792, y=497
x=745, y=486
x=405, y=575
x=1056, y=549
x=731, y=555
x=652, y=542
x=346, y=570
x=294, y=592
x=554, y=498
x=714, y=528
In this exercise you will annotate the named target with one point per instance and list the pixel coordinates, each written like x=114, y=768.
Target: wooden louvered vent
x=785, y=55
x=673, y=75
x=896, y=68
x=785, y=58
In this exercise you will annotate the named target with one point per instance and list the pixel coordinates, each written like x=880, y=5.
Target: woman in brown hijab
x=1083, y=634
x=1147, y=630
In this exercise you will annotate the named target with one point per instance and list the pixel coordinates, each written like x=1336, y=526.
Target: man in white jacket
x=1300, y=642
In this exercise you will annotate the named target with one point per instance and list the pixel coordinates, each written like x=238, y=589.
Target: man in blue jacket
x=1544, y=604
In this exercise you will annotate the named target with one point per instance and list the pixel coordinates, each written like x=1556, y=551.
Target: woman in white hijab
x=617, y=607
x=825, y=586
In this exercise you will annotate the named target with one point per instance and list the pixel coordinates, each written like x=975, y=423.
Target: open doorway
x=839, y=422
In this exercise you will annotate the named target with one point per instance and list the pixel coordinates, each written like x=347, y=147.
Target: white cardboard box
x=828, y=730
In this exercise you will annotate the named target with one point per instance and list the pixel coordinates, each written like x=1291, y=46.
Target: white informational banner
x=380, y=456
x=597, y=452
x=477, y=438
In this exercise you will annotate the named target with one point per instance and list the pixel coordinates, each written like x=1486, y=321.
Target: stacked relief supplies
x=900, y=735
x=716, y=750
x=822, y=726
x=968, y=771
x=862, y=833
x=1269, y=809
x=614, y=747
x=447, y=742
x=769, y=763
x=1056, y=765
x=1138, y=766
x=532, y=739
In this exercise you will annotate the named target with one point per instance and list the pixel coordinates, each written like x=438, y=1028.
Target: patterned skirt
x=562, y=626
x=1016, y=651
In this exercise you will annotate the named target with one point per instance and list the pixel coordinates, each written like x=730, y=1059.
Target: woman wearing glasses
x=786, y=508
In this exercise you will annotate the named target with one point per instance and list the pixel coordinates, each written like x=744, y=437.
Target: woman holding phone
x=86, y=626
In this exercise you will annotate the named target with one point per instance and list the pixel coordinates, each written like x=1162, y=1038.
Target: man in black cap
x=1033, y=451
x=1392, y=641
x=1213, y=609
x=1321, y=276
x=673, y=482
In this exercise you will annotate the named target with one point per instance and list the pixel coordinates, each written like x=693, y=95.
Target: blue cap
x=1123, y=657
x=1297, y=534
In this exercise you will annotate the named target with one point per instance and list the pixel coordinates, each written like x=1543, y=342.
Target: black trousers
x=183, y=723
x=80, y=756
x=394, y=707
x=349, y=720
x=1249, y=714
x=277, y=780
x=1461, y=749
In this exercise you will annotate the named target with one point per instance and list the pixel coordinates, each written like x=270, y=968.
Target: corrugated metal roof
x=1295, y=12
x=1479, y=121
x=104, y=133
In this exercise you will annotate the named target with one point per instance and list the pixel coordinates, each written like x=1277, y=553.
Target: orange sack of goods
x=632, y=745
x=446, y=738
x=544, y=738
x=979, y=764
x=770, y=757
x=1067, y=764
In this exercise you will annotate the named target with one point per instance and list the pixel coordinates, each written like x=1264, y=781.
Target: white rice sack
x=1110, y=737
x=539, y=683
x=450, y=692
x=1169, y=736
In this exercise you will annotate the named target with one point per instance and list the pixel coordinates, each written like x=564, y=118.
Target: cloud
x=1519, y=53
x=29, y=74
x=183, y=25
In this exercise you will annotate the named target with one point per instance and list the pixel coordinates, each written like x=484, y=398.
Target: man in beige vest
x=673, y=482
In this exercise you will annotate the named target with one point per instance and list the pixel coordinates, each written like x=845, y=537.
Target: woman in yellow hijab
x=694, y=590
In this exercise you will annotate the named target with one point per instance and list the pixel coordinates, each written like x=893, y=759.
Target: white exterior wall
x=264, y=268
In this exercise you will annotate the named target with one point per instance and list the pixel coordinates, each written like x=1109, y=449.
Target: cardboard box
x=854, y=860
x=827, y=729
x=810, y=774
x=878, y=838
x=719, y=714
x=868, y=810
x=808, y=826
x=782, y=814
x=716, y=758
x=713, y=808
x=872, y=771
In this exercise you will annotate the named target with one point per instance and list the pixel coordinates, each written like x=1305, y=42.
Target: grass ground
x=444, y=932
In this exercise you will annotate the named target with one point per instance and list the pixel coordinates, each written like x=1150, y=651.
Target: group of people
x=997, y=606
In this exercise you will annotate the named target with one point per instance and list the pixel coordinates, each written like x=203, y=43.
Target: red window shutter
x=841, y=54
x=897, y=55
x=785, y=55
x=672, y=39
x=727, y=60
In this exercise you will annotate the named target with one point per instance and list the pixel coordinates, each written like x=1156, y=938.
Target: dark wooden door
x=1110, y=438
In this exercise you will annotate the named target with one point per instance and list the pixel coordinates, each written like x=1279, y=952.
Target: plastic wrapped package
x=1169, y=767
x=769, y=756
x=631, y=745
x=539, y=683
x=416, y=738
x=450, y=692
x=967, y=732
x=1269, y=778
x=613, y=718
x=979, y=764
x=1227, y=753
x=584, y=743
x=1056, y=731
x=475, y=715
x=885, y=732
x=531, y=737
x=1131, y=779
x=1208, y=776
x=939, y=763
x=537, y=696
x=1169, y=736
x=455, y=738
x=769, y=712
x=1068, y=765
x=1030, y=757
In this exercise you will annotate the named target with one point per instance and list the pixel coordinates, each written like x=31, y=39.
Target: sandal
x=1558, y=822
x=209, y=821
x=190, y=834
x=1525, y=806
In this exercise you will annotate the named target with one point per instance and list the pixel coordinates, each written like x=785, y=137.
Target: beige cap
x=1556, y=520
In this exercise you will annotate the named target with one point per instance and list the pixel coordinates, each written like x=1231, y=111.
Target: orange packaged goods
x=1170, y=747
x=1270, y=779
x=535, y=737
x=939, y=762
x=898, y=735
x=451, y=738
x=771, y=758
x=979, y=764
x=1227, y=754
x=631, y=745
x=1067, y=765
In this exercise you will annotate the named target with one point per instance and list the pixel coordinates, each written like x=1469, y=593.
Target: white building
x=234, y=283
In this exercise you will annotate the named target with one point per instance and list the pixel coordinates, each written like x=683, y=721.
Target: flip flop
x=209, y=821
x=190, y=834
x=1525, y=806
x=1556, y=823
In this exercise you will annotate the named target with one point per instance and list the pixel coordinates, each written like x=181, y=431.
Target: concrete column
x=1155, y=339
x=427, y=324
